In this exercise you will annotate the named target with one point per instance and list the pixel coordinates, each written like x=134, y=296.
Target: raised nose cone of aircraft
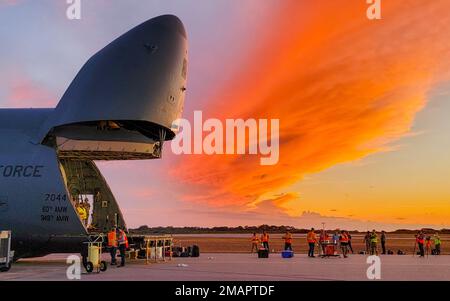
x=170, y=22
x=138, y=81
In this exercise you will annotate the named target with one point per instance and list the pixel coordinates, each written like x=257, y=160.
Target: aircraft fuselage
x=33, y=198
x=120, y=106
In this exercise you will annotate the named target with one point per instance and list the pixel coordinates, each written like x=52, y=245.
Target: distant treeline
x=250, y=229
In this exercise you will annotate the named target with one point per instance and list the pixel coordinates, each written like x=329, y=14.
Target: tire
x=89, y=267
x=103, y=266
x=195, y=251
x=5, y=268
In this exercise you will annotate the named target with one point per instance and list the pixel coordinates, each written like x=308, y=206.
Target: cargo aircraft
x=120, y=106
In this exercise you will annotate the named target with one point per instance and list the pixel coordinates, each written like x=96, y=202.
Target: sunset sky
x=363, y=106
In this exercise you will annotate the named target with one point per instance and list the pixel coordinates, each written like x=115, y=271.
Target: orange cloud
x=342, y=86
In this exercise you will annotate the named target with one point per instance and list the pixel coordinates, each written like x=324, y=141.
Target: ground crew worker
x=367, y=242
x=76, y=203
x=350, y=248
x=287, y=241
x=437, y=244
x=81, y=210
x=112, y=244
x=373, y=243
x=420, y=240
x=428, y=245
x=311, y=239
x=383, y=242
x=123, y=245
x=255, y=242
x=265, y=240
x=336, y=239
x=343, y=239
x=98, y=196
x=322, y=239
x=87, y=207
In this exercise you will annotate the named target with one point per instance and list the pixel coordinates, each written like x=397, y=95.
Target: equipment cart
x=94, y=258
x=6, y=255
x=328, y=249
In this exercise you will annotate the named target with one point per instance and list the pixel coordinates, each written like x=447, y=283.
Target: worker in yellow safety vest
x=437, y=244
x=255, y=242
x=122, y=240
x=81, y=210
x=112, y=244
x=374, y=243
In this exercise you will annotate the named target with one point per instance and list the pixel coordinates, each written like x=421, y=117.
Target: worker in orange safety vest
x=112, y=244
x=311, y=239
x=420, y=240
x=265, y=240
x=428, y=245
x=287, y=241
x=343, y=239
x=255, y=242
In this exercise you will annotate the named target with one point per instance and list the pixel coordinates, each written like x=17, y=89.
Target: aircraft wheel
x=89, y=267
x=103, y=266
x=5, y=268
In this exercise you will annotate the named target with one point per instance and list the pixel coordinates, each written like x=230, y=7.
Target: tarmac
x=242, y=267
